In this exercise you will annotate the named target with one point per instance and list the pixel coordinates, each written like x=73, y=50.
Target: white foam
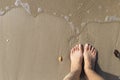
x=72, y=26
x=18, y=2
x=66, y=18
x=111, y=18
x=2, y=12
x=7, y=8
x=40, y=10
x=24, y=5
x=83, y=24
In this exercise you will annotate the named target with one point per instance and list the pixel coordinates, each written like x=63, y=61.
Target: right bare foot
x=89, y=57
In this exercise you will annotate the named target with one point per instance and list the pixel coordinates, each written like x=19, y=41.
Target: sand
x=32, y=38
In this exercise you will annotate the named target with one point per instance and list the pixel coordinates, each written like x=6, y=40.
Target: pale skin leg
x=76, y=58
x=89, y=60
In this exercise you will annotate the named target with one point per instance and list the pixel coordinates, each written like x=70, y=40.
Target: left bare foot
x=76, y=57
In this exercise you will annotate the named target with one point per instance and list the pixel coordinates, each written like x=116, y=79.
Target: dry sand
x=32, y=40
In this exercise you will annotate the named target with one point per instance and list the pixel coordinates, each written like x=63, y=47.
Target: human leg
x=76, y=58
x=89, y=60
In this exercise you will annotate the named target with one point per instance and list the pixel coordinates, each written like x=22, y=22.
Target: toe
x=89, y=47
x=80, y=48
x=94, y=52
x=79, y=45
x=92, y=49
x=76, y=47
x=72, y=50
x=86, y=47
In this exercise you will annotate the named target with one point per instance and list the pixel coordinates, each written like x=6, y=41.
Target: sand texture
x=35, y=34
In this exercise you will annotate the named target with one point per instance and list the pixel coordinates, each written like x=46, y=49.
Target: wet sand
x=32, y=38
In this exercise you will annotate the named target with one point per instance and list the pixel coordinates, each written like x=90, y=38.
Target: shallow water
x=35, y=33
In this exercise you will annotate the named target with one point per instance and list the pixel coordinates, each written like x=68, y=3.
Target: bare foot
x=89, y=57
x=76, y=57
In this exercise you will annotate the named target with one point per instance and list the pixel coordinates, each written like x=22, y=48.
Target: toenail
x=86, y=44
x=60, y=58
x=80, y=45
x=76, y=45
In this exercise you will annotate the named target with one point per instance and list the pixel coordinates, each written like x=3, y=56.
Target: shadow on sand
x=105, y=75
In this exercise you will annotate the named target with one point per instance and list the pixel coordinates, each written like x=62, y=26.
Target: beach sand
x=34, y=37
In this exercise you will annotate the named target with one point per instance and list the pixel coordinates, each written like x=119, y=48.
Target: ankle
x=73, y=75
x=77, y=68
x=88, y=69
x=76, y=73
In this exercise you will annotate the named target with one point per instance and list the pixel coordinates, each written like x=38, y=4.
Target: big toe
x=86, y=47
x=80, y=48
x=77, y=48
